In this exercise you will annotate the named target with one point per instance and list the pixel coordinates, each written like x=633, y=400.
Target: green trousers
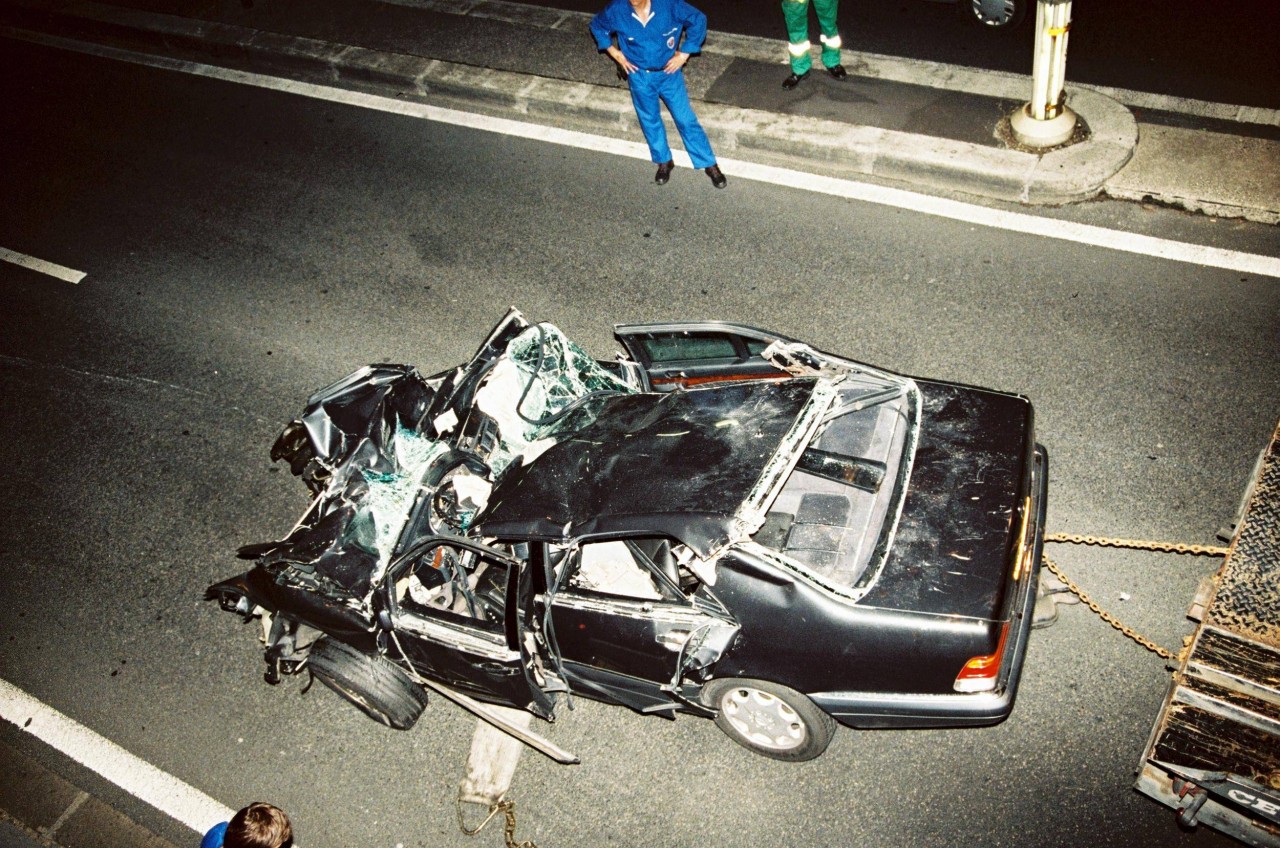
x=796, y=13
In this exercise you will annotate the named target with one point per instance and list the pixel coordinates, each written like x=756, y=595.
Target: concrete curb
x=1081, y=170
x=1196, y=204
x=806, y=144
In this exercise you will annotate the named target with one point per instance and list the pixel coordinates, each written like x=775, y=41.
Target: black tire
x=996, y=15
x=769, y=719
x=373, y=683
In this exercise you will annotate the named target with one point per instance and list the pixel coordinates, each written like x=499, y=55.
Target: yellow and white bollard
x=1046, y=121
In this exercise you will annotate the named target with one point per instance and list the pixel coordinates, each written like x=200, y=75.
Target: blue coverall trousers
x=648, y=89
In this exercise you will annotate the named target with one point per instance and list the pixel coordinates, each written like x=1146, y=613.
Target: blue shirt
x=650, y=45
x=213, y=839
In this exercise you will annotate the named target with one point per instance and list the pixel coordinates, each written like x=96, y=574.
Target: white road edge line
x=1021, y=222
x=136, y=776
x=40, y=265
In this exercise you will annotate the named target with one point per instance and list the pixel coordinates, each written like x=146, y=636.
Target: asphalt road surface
x=245, y=247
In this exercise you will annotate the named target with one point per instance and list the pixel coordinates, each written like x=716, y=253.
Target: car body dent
x=661, y=464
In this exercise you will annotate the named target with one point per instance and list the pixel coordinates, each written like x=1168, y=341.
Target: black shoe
x=664, y=173
x=838, y=72
x=717, y=179
x=793, y=80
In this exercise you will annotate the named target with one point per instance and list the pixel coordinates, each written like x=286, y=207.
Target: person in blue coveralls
x=649, y=49
x=258, y=825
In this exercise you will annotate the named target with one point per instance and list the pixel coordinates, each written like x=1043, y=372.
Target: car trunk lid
x=967, y=509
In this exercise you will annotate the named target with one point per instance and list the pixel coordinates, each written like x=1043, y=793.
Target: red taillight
x=979, y=673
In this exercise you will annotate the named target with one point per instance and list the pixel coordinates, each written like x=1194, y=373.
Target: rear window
x=831, y=514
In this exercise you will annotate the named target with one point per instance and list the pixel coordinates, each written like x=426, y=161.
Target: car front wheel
x=770, y=719
x=996, y=14
x=373, y=683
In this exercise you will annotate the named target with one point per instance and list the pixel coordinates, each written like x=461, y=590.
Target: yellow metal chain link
x=1138, y=544
x=1103, y=614
x=1135, y=544
x=508, y=810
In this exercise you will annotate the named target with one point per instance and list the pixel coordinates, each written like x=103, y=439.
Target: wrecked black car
x=722, y=522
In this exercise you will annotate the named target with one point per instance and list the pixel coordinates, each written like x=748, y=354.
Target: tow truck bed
x=1214, y=753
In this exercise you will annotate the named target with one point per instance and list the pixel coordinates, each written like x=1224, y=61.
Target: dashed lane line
x=136, y=776
x=970, y=213
x=49, y=268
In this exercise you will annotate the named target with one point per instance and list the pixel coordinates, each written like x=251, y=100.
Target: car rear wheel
x=770, y=719
x=373, y=683
x=995, y=14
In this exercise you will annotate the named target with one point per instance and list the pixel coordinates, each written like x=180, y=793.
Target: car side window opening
x=687, y=347
x=455, y=583
x=629, y=568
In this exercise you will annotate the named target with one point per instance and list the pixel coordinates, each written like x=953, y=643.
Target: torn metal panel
x=370, y=433
x=681, y=464
x=344, y=546
x=370, y=404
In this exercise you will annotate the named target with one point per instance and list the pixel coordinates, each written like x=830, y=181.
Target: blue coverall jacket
x=649, y=45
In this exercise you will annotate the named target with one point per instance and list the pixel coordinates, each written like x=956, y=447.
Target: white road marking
x=1021, y=222
x=136, y=776
x=49, y=268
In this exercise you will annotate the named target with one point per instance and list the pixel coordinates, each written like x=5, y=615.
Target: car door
x=687, y=354
x=626, y=630
x=454, y=612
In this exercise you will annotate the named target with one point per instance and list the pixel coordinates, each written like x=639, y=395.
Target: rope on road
x=1133, y=544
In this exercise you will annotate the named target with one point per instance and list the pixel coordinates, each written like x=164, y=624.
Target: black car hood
x=680, y=464
x=959, y=522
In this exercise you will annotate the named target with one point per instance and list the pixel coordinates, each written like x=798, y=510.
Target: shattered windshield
x=543, y=388
x=385, y=468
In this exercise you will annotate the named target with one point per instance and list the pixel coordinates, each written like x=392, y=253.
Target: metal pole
x=1046, y=121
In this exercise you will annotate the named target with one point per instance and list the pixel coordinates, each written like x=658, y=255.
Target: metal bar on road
x=49, y=268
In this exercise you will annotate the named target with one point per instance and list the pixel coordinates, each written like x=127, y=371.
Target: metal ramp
x=1214, y=752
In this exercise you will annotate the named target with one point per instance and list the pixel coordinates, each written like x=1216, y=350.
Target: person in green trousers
x=796, y=13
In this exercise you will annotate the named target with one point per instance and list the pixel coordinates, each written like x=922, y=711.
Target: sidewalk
x=894, y=120
x=39, y=809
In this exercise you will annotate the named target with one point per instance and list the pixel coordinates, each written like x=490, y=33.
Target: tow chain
x=1134, y=544
x=1138, y=544
x=508, y=809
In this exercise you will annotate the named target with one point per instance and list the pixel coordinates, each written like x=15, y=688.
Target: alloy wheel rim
x=993, y=12
x=763, y=719
x=360, y=700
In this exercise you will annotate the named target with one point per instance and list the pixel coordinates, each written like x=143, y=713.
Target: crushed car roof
x=680, y=464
